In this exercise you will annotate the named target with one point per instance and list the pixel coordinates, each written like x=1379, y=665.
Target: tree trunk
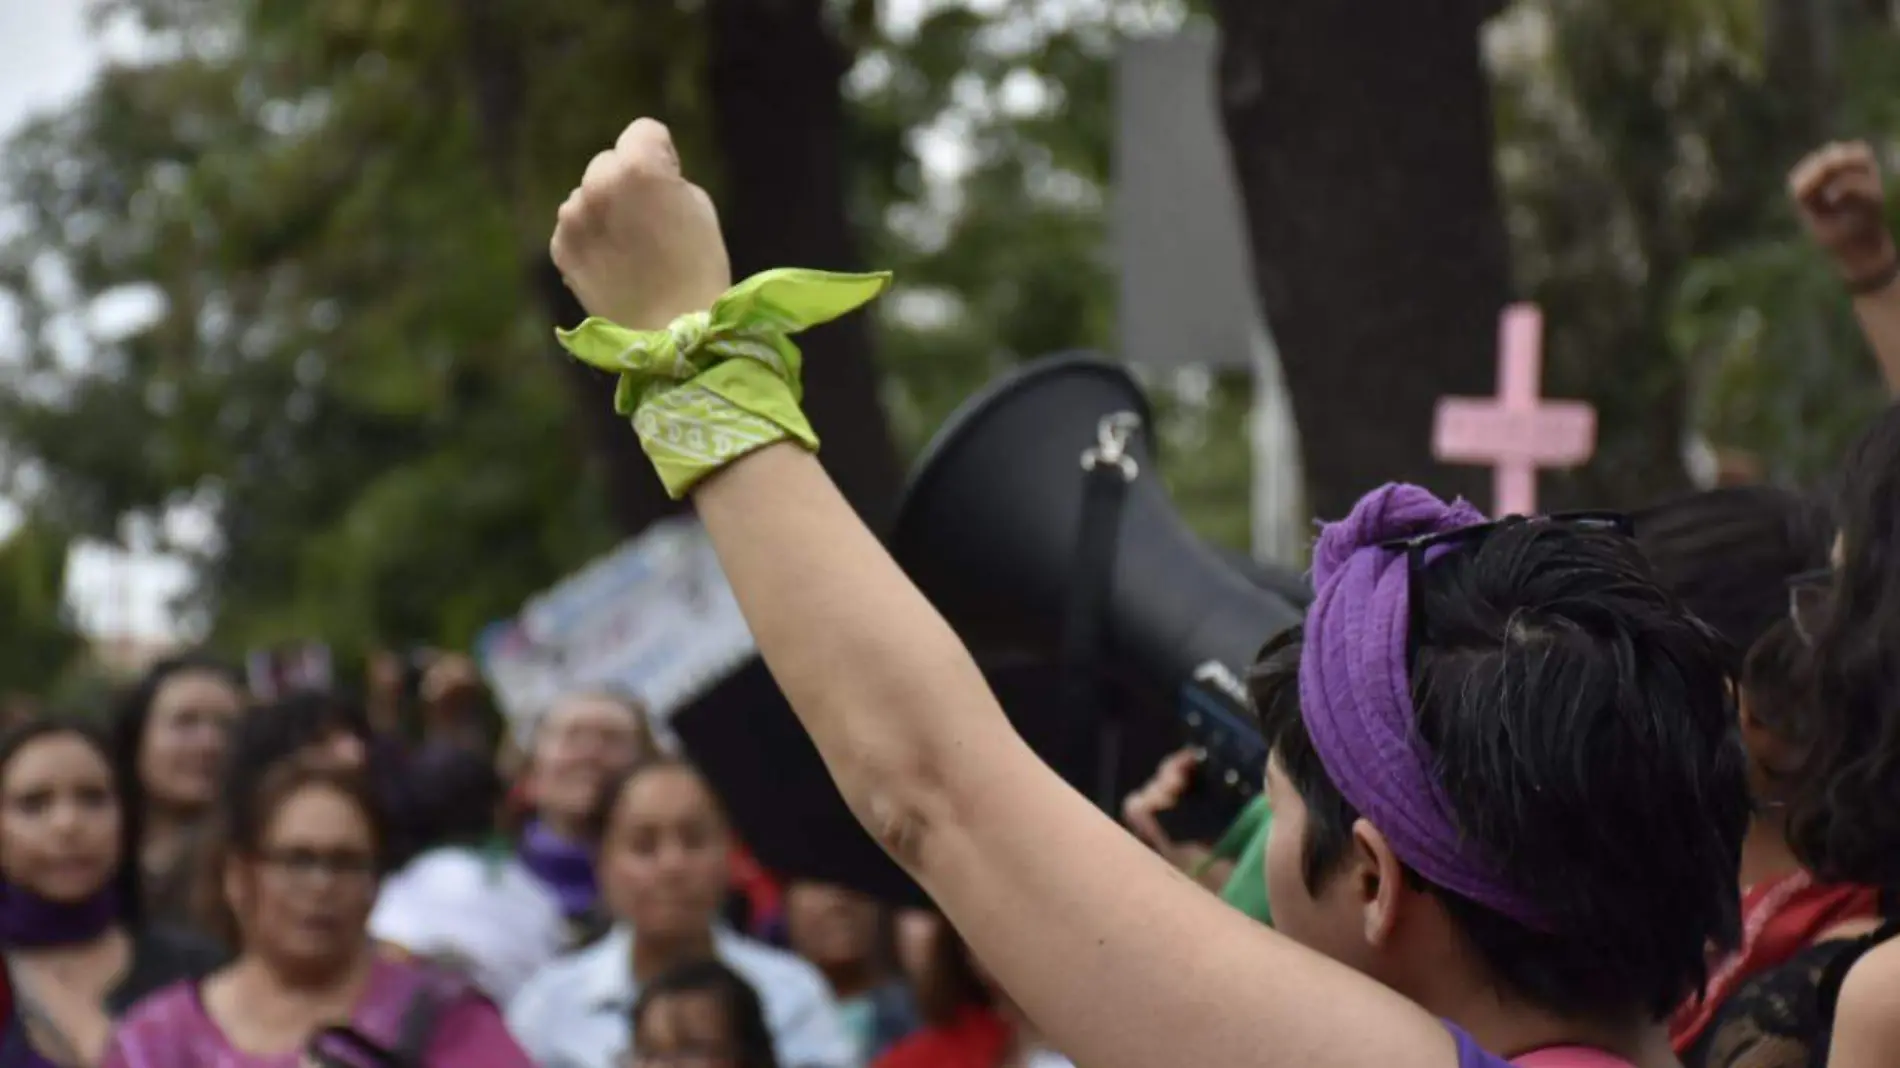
x=1363, y=148
x=1803, y=58
x=495, y=67
x=775, y=70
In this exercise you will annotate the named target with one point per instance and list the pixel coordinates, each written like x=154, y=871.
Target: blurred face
x=1328, y=921
x=831, y=926
x=584, y=744
x=916, y=934
x=59, y=819
x=340, y=750
x=304, y=900
x=683, y=1031
x=663, y=860
x=191, y=716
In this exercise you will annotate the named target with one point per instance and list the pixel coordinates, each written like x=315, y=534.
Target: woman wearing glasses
x=301, y=855
x=1844, y=809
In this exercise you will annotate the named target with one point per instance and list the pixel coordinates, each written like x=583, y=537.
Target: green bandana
x=718, y=384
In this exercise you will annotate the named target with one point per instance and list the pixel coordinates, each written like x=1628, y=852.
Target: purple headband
x=1356, y=693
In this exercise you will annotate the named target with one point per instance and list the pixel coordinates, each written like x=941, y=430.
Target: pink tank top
x=1471, y=1056
x=1570, y=1057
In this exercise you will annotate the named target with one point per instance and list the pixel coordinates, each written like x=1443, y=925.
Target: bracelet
x=1878, y=281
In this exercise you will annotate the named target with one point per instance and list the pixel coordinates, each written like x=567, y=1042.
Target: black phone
x=1233, y=763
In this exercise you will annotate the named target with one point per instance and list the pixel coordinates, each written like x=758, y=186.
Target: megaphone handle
x=1097, y=541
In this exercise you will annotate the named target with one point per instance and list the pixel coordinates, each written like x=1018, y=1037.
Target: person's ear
x=1378, y=881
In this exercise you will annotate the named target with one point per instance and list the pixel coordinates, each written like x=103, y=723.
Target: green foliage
x=342, y=361
x=41, y=644
x=1783, y=368
x=1644, y=147
x=1011, y=259
x=318, y=216
x=338, y=364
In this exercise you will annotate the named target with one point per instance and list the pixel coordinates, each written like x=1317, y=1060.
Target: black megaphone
x=995, y=526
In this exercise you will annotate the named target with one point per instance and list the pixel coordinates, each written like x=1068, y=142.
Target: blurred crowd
x=205, y=878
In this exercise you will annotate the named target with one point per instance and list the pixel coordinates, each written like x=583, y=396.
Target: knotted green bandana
x=717, y=384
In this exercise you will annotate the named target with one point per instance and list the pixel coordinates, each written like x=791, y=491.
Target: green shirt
x=1245, y=843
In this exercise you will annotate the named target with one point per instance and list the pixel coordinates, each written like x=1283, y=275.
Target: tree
x=41, y=644
x=775, y=71
x=321, y=360
x=1644, y=149
x=338, y=341
x=1364, y=151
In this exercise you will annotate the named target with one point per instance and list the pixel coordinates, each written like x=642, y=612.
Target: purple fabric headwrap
x=1356, y=693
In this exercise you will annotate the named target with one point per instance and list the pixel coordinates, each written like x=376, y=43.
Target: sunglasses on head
x=1418, y=549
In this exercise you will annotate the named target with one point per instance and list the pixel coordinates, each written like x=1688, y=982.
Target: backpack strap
x=343, y=1046
x=419, y=1018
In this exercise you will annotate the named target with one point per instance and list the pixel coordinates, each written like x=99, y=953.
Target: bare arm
x=1838, y=192
x=1867, y=1017
x=1076, y=918
x=1121, y=960
x=1879, y=315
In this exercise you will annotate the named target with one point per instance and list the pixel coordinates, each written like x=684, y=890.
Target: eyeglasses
x=1809, y=595
x=1418, y=549
x=309, y=865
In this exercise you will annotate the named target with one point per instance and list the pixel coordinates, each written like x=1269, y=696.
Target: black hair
x=1582, y=727
x=1778, y=683
x=1844, y=806
x=455, y=796
x=125, y=880
x=601, y=818
x=278, y=731
x=130, y=721
x=1727, y=554
x=739, y=1004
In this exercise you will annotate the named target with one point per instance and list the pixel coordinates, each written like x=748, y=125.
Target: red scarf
x=1780, y=918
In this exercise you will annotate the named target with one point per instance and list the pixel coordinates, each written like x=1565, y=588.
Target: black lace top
x=1781, y=1018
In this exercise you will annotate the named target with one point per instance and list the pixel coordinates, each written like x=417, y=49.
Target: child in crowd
x=700, y=1014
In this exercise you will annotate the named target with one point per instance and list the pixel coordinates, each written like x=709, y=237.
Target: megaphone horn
x=998, y=513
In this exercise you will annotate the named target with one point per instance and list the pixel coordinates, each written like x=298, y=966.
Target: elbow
x=905, y=801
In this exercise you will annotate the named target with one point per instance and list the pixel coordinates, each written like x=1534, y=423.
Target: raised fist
x=636, y=242
x=1837, y=190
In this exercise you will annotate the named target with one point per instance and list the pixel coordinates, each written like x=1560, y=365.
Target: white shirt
x=574, y=1012
x=480, y=910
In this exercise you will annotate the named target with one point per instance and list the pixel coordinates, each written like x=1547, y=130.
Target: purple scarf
x=29, y=921
x=1356, y=694
x=566, y=867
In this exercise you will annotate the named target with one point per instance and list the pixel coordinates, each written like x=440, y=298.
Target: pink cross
x=1516, y=432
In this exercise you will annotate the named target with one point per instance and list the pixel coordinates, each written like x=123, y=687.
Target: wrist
x=1870, y=266
x=1878, y=280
